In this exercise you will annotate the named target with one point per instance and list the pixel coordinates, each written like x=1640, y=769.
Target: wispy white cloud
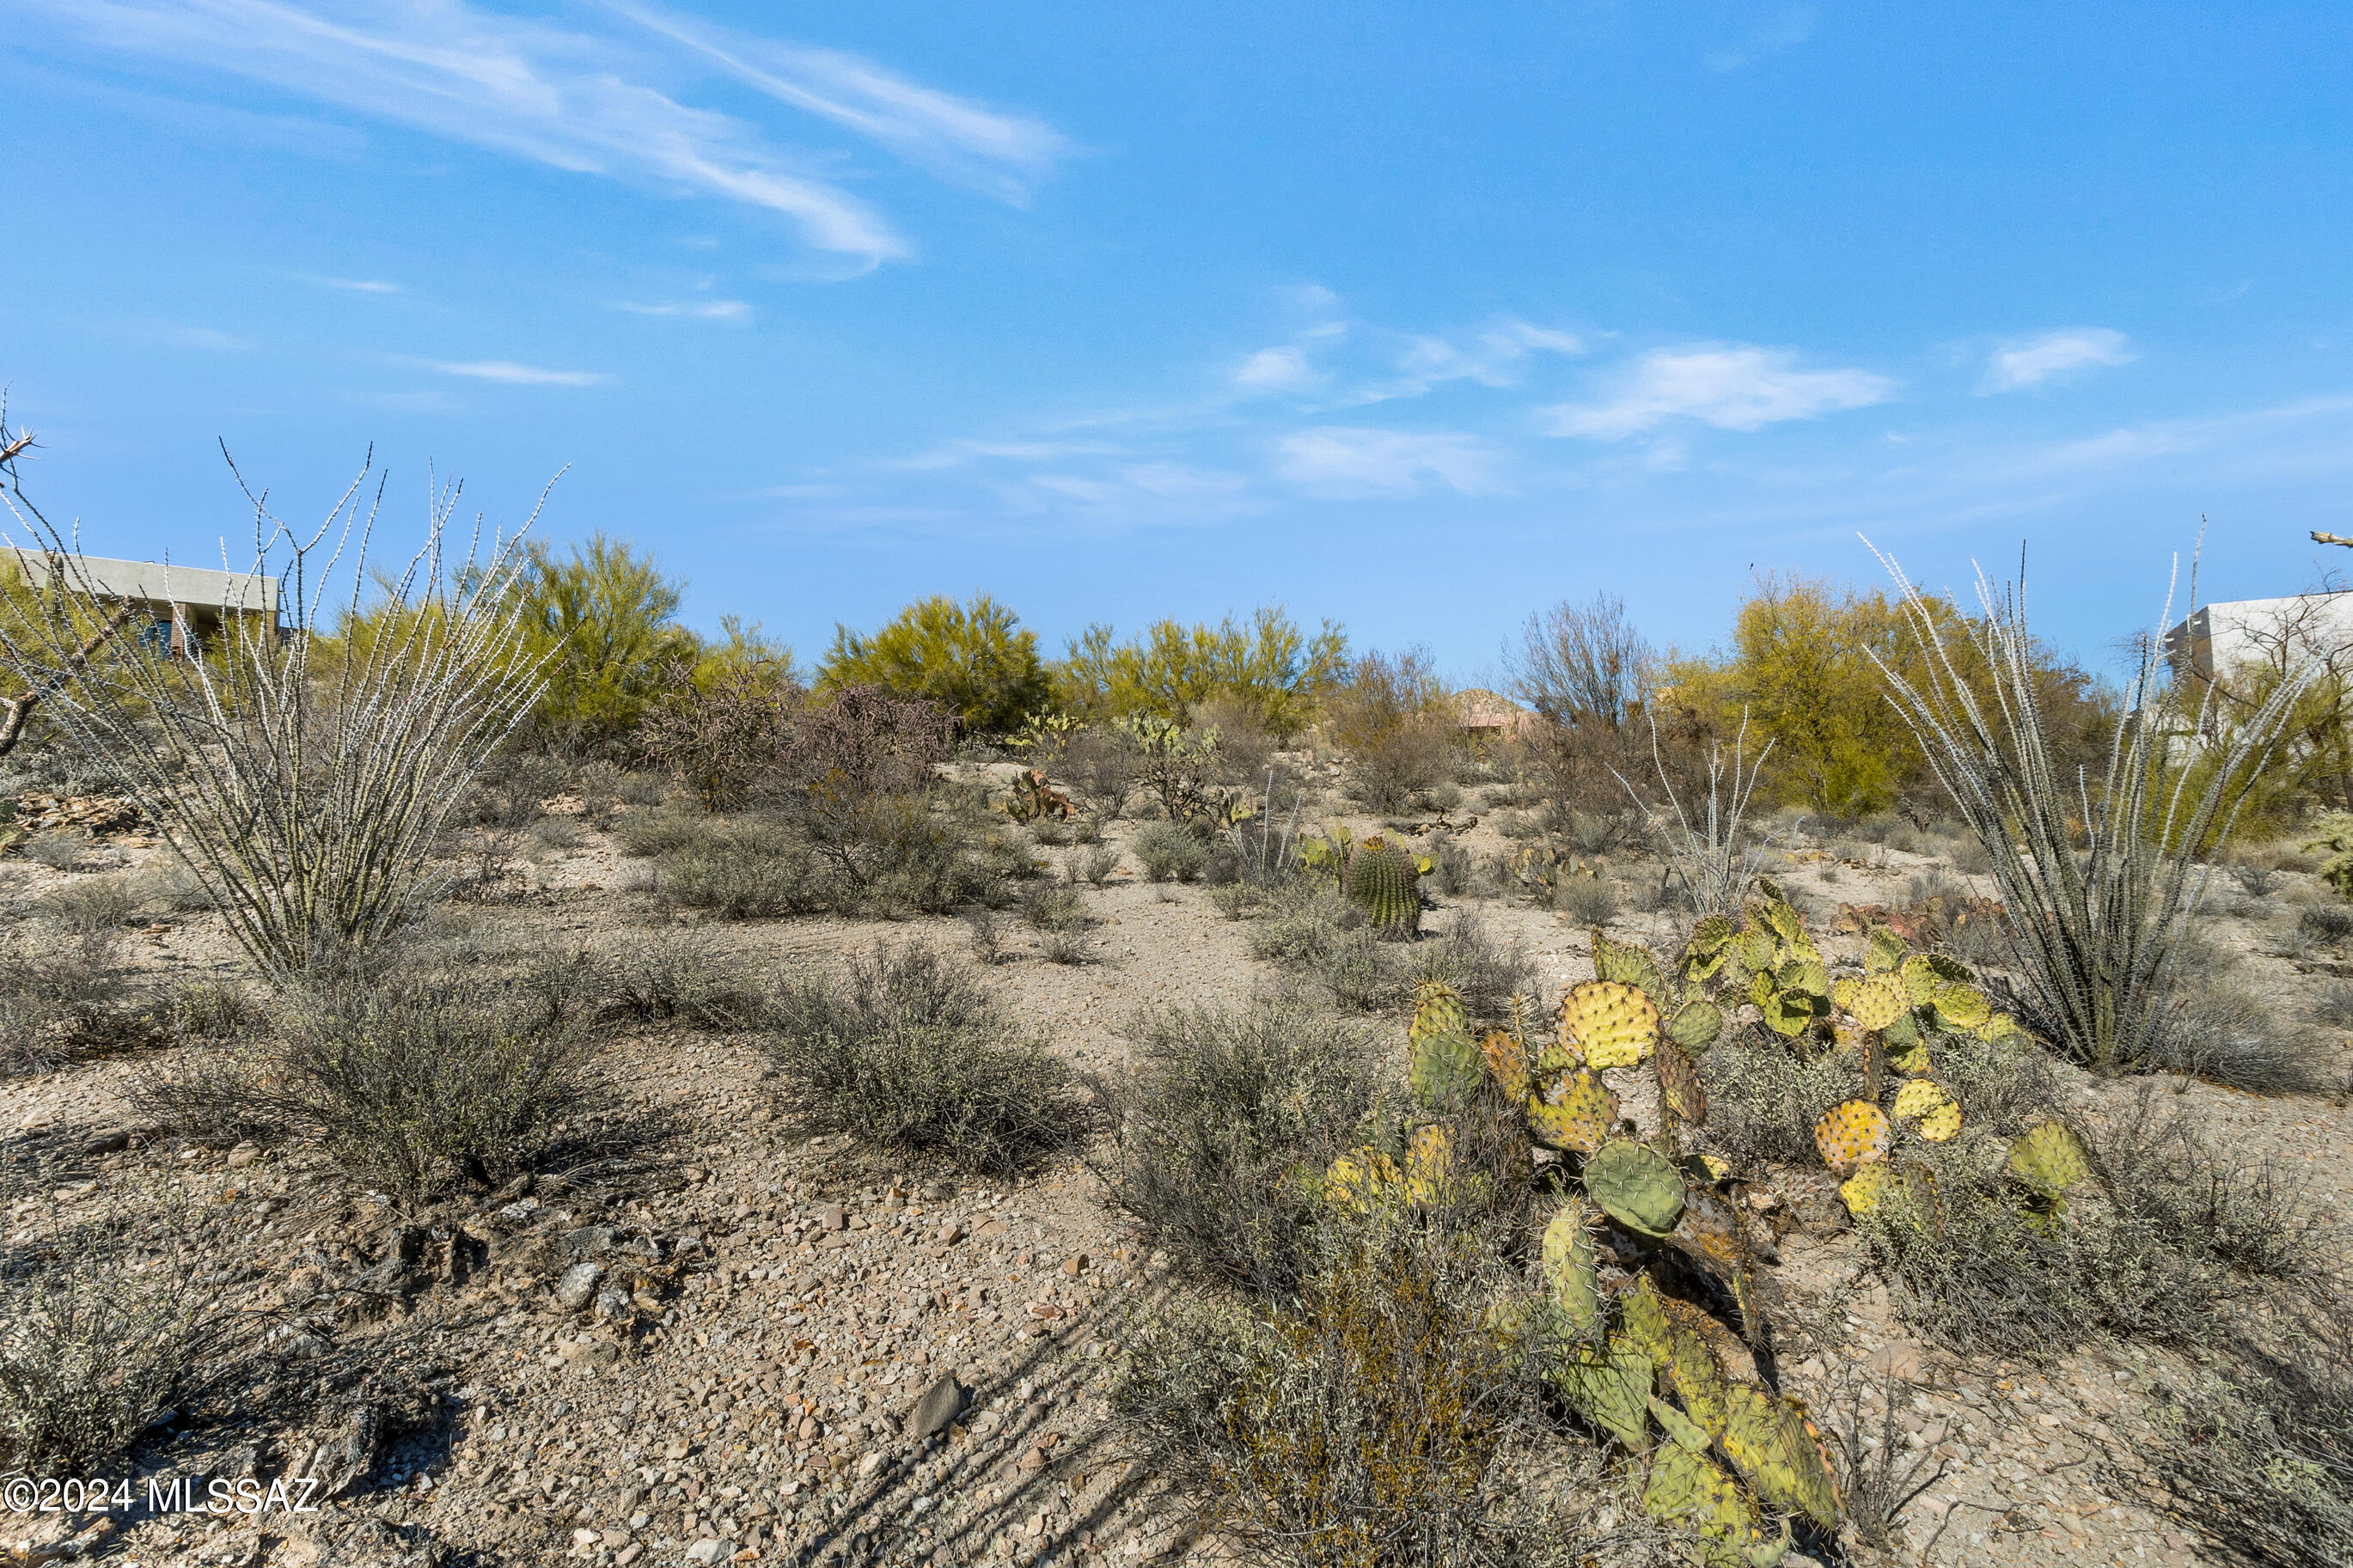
x=2031, y=362
x=513, y=374
x=350, y=284
x=177, y=335
x=963, y=453
x=1002, y=154
x=1345, y=462
x=584, y=101
x=1492, y=357
x=1283, y=369
x=694, y=309
x=1732, y=387
x=1785, y=30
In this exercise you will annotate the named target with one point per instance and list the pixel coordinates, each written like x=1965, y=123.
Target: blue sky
x=1421, y=317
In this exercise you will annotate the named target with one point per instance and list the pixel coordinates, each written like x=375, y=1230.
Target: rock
x=628, y=1555
x=994, y=1227
x=241, y=1156
x=613, y=1303
x=935, y=1409
x=833, y=1216
x=707, y=1551
x=1074, y=1267
x=951, y=1233
x=344, y=1460
x=577, y=1284
x=589, y=1240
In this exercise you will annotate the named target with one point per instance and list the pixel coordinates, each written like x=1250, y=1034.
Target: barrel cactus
x=1384, y=882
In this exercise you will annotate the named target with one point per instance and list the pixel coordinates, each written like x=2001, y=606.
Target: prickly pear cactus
x=1570, y=1262
x=1361, y=1180
x=2049, y=1159
x=1612, y=1025
x=1635, y=1185
x=1934, y=1114
x=1430, y=1177
x=1576, y=1113
x=1383, y=883
x=1679, y=1086
x=1853, y=1134
x=1445, y=1066
x=1506, y=1056
x=1696, y=1024
x=1630, y=964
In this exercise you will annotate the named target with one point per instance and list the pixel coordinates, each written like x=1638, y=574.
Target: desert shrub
x=1763, y=1099
x=600, y=622
x=1097, y=765
x=1245, y=749
x=1933, y=883
x=2327, y=922
x=1451, y=870
x=1366, y=1421
x=556, y=833
x=1393, y=721
x=654, y=833
x=857, y=779
x=988, y=930
x=1468, y=957
x=2259, y=1454
x=504, y=805
x=2330, y=1004
x=1049, y=832
x=967, y=660
x=67, y=996
x=104, y=1324
x=1072, y=946
x=660, y=979
x=415, y=1084
x=90, y=904
x=58, y=848
x=1279, y=673
x=745, y=869
x=1093, y=865
x=1300, y=918
x=720, y=732
x=2227, y=1031
x=2167, y=1242
x=1169, y=852
x=908, y=1054
x=1227, y=1125
x=1583, y=668
x=1588, y=900
x=2254, y=880
x=1054, y=907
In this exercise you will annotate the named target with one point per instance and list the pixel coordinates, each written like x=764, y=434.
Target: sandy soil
x=847, y=1357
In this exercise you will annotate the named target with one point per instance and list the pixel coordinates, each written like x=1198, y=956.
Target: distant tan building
x=183, y=602
x=1490, y=715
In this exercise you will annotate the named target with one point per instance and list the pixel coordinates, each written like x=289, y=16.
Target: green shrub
x=907, y=1054
x=104, y=1324
x=1269, y=668
x=742, y=870
x=603, y=621
x=1227, y=1126
x=1588, y=900
x=1169, y=852
x=1371, y=1419
x=967, y=659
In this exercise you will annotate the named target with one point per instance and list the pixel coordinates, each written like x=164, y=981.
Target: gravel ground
x=745, y=1346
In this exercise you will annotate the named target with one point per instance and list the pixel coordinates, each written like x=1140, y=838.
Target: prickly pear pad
x=2049, y=1157
x=1879, y=1002
x=1679, y=1081
x=1507, y=1061
x=1614, y=1024
x=1850, y=1134
x=1575, y=1112
x=1635, y=1185
x=1924, y=1102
